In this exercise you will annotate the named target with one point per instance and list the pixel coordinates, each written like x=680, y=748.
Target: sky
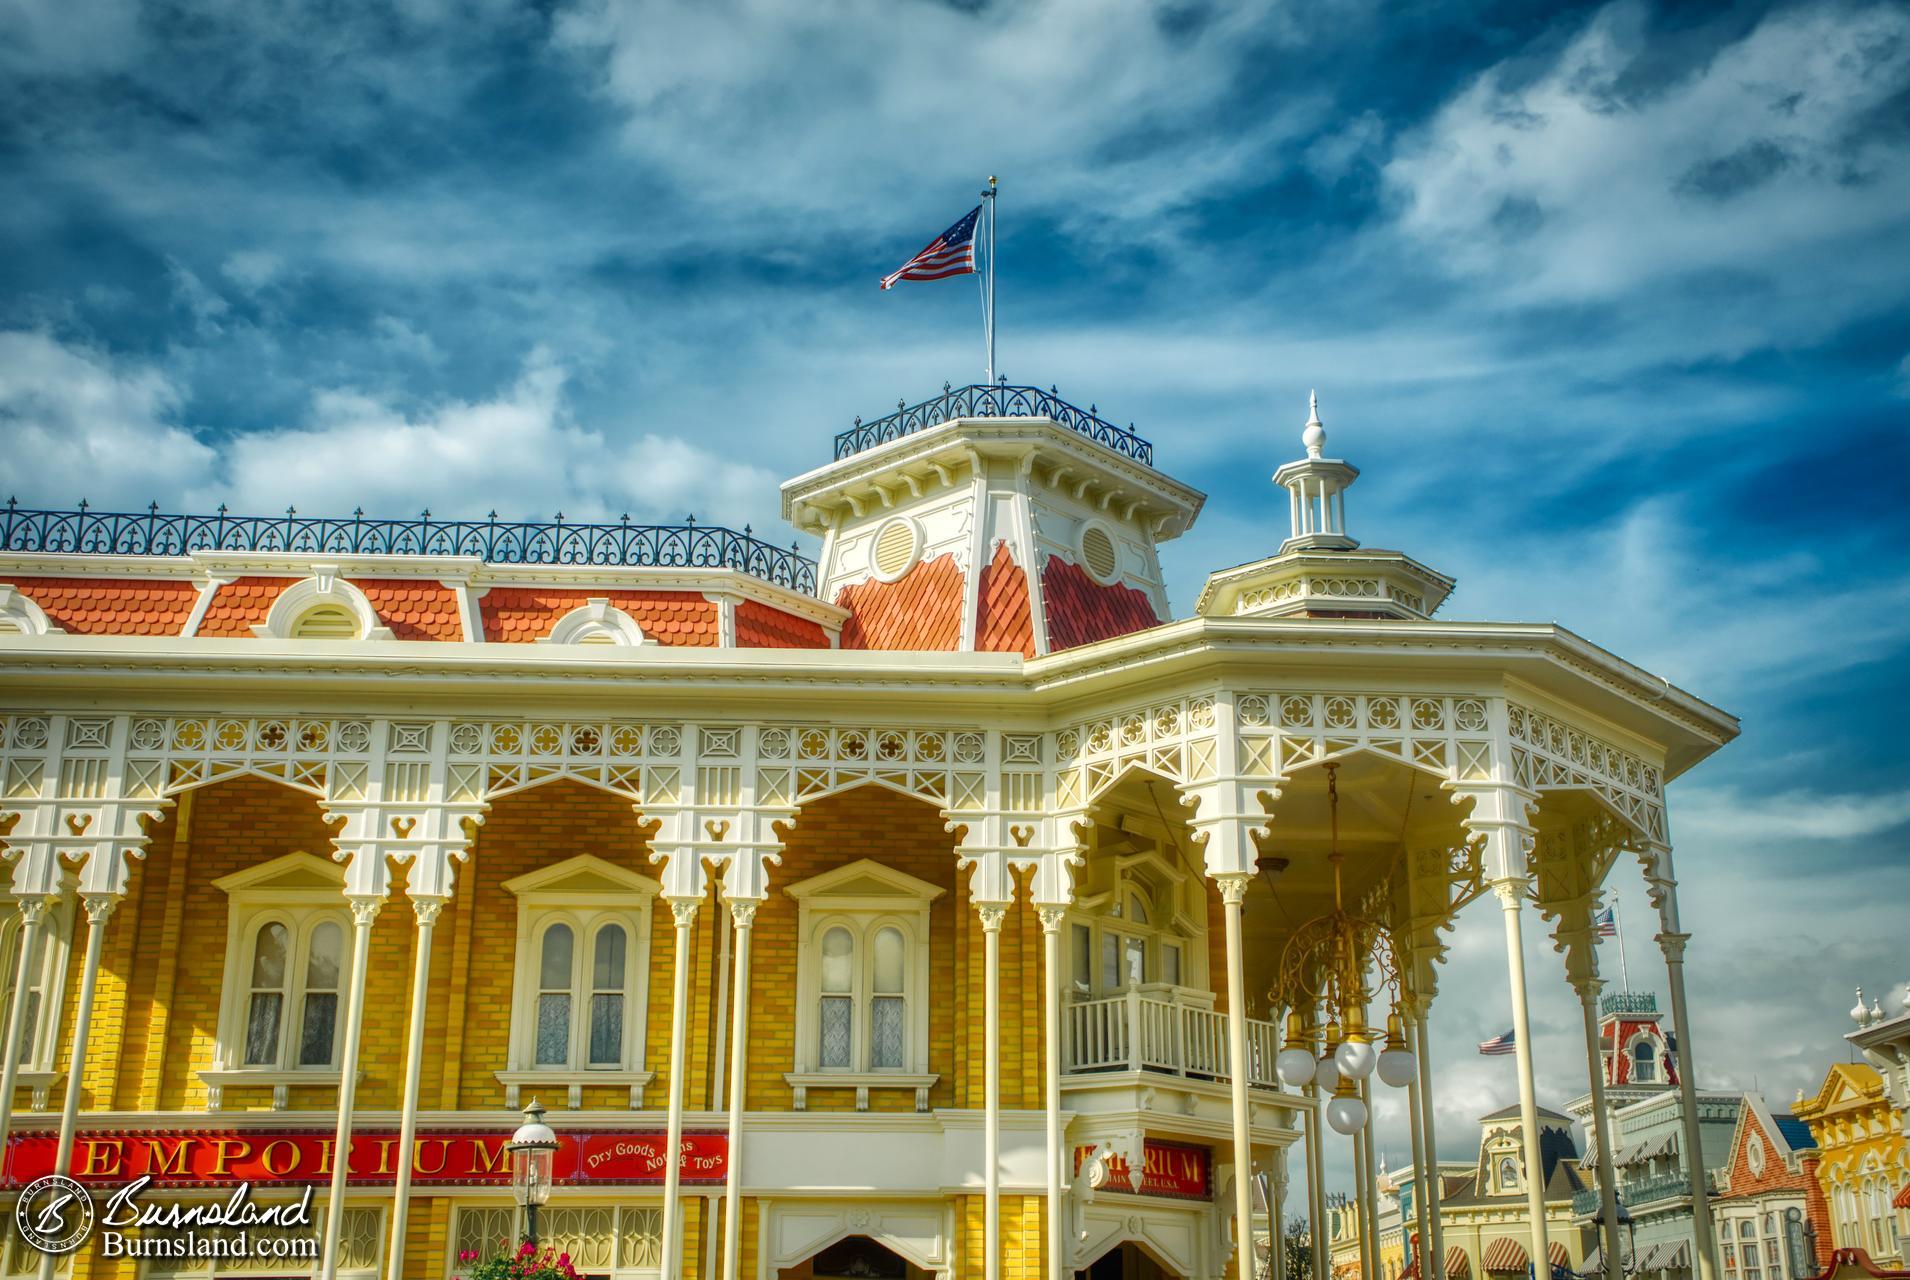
x=1610, y=303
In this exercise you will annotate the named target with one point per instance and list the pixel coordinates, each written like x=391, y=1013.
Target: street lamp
x=532, y=1149
x=1627, y=1264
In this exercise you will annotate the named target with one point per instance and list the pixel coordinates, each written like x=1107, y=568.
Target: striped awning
x=1667, y=1257
x=1505, y=1254
x=1458, y=1266
x=1594, y=1261
x=1903, y=1198
x=1557, y=1253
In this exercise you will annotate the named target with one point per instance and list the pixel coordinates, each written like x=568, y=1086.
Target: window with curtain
x=862, y=996
x=294, y=965
x=581, y=1013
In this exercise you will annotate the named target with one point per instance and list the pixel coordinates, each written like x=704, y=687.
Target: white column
x=1233, y=894
x=1357, y=1203
x=1673, y=945
x=1607, y=1177
x=684, y=910
x=1423, y=1052
x=1421, y=1177
x=1316, y=1164
x=992, y=914
x=1369, y=1211
x=99, y=908
x=364, y=910
x=1051, y=919
x=426, y=910
x=1277, y=1219
x=1511, y=891
x=743, y=917
x=32, y=922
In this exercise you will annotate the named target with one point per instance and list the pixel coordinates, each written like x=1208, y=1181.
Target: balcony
x=1641, y=1193
x=1164, y=1030
x=998, y=401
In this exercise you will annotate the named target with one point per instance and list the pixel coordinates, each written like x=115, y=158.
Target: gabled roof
x=1512, y=1113
x=1845, y=1084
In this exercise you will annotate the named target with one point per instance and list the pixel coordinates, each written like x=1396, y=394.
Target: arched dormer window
x=1138, y=930
x=19, y=616
x=322, y=607
x=1644, y=1060
x=596, y=621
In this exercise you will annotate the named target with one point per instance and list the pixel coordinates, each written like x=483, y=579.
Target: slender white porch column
x=1588, y=989
x=426, y=910
x=99, y=908
x=743, y=917
x=684, y=911
x=1357, y=1202
x=364, y=910
x=1051, y=918
x=1673, y=945
x=1369, y=1213
x=992, y=915
x=1422, y=1050
x=32, y=924
x=1511, y=891
x=1415, y=1123
x=1233, y=894
x=1316, y=1166
x=1277, y=1219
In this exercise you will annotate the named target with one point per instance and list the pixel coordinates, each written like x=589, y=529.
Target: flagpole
x=989, y=196
x=1618, y=927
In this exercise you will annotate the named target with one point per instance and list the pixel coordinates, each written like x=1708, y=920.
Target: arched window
x=863, y=982
x=289, y=969
x=1644, y=1060
x=1135, y=932
x=28, y=1038
x=836, y=1012
x=577, y=1012
x=1508, y=1173
x=888, y=1000
x=596, y=621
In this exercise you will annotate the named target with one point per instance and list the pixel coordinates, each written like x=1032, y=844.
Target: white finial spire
x=1876, y=1011
x=1317, y=485
x=1859, y=1014
x=1314, y=437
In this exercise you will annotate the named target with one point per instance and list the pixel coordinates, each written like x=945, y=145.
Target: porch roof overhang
x=1207, y=652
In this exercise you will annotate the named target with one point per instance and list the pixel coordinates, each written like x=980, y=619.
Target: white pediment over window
x=584, y=876
x=302, y=874
x=866, y=884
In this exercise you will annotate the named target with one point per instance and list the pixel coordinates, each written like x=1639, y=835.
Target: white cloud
x=252, y=269
x=1575, y=185
x=80, y=424
x=1729, y=814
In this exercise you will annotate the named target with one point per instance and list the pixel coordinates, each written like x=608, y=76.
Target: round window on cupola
x=1098, y=555
x=897, y=547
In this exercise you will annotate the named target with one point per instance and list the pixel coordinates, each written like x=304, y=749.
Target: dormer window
x=326, y=622
x=596, y=621
x=19, y=616
x=1508, y=1174
x=322, y=607
x=1135, y=934
x=1644, y=1061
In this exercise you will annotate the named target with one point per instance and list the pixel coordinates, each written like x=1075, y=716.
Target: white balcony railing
x=1136, y=1032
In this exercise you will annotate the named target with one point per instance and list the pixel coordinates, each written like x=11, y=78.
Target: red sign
x=1171, y=1169
x=222, y=1157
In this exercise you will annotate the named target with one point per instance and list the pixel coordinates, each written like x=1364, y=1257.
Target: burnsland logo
x=56, y=1215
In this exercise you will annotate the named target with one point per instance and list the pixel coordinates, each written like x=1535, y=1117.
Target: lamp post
x=1629, y=1263
x=532, y=1149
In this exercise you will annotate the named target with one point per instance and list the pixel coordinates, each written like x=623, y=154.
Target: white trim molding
x=20, y=616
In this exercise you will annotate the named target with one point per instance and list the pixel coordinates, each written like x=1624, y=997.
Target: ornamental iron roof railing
x=999, y=401
x=686, y=546
x=1629, y=1002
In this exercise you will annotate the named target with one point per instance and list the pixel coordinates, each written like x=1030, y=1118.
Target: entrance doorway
x=855, y=1258
x=1127, y=1261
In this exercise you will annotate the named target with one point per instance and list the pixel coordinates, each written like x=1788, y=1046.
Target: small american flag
x=1606, y=923
x=1498, y=1045
x=950, y=254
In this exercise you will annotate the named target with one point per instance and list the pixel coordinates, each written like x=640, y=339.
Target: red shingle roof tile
x=519, y=615
x=240, y=605
x=922, y=609
x=1002, y=622
x=758, y=626
x=414, y=608
x=113, y=606
x=1081, y=610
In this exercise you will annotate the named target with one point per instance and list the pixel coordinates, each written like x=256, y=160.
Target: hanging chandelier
x=1323, y=975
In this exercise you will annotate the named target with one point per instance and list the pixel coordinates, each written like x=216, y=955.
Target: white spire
x=1859, y=1014
x=1317, y=485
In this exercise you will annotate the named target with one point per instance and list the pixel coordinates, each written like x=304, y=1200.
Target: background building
x=1486, y=1220
x=1772, y=1219
x=1862, y=1168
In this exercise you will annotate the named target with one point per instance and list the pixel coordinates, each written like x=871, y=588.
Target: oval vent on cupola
x=326, y=622
x=1097, y=553
x=895, y=549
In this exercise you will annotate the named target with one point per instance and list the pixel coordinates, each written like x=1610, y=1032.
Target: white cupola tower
x=1321, y=571
x=1317, y=486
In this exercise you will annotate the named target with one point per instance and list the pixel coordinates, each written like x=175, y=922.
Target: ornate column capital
x=1588, y=988
x=33, y=909
x=1051, y=918
x=992, y=914
x=683, y=910
x=743, y=911
x=1233, y=886
x=1673, y=945
x=365, y=907
x=427, y=909
x=99, y=907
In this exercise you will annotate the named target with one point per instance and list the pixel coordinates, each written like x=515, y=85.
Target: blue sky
x=1611, y=303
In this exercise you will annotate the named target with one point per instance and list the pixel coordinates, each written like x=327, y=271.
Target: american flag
x=1606, y=923
x=950, y=254
x=1499, y=1044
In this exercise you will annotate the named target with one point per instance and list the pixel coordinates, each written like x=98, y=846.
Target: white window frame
x=300, y=891
x=1657, y=1058
x=864, y=897
x=586, y=893
x=324, y=587
x=1169, y=922
x=38, y=1070
x=22, y=615
x=597, y=621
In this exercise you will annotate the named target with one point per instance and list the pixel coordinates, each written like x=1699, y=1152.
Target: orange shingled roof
x=113, y=606
x=922, y=609
x=758, y=626
x=1002, y=622
x=415, y=608
x=1081, y=610
x=519, y=615
x=240, y=605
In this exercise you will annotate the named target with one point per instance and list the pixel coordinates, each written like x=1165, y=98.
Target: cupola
x=1321, y=571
